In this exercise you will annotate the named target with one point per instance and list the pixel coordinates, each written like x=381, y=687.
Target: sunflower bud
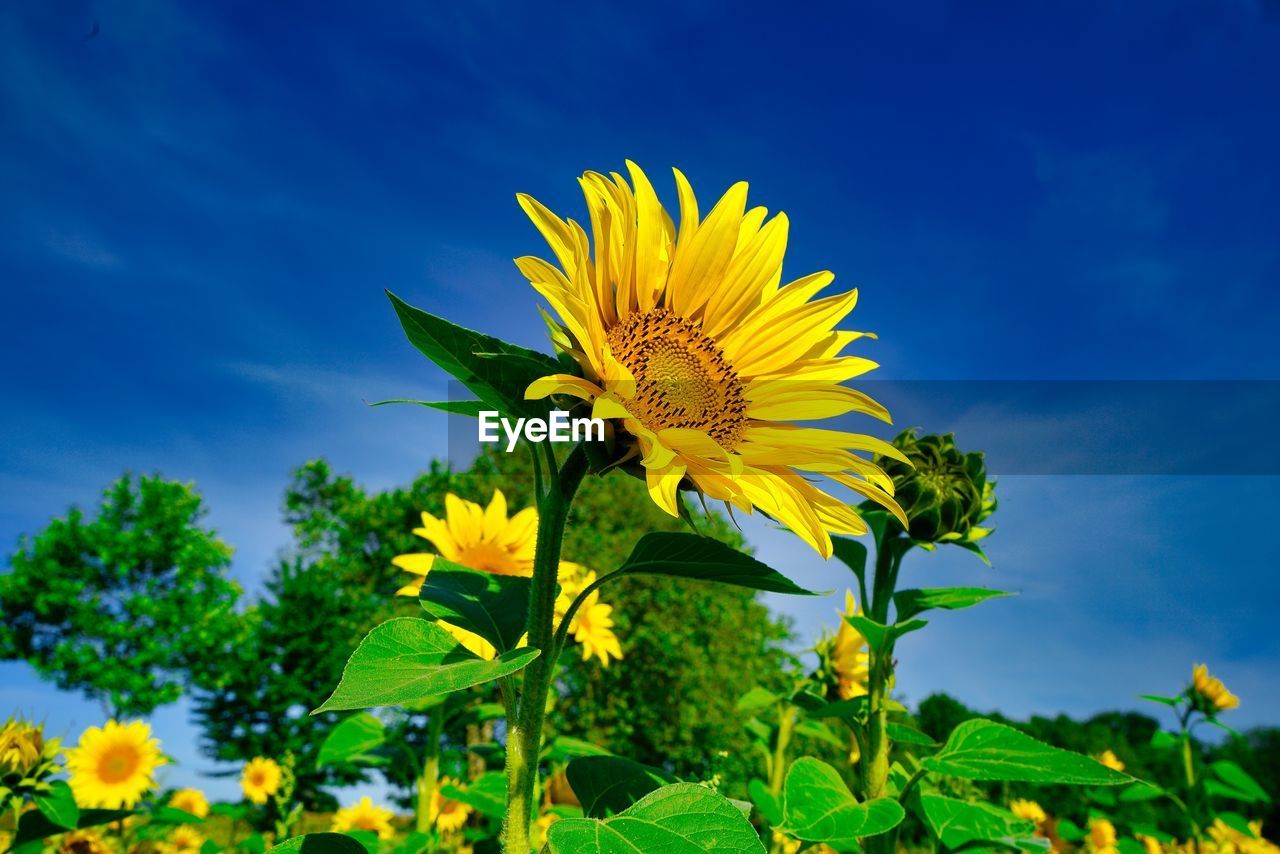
x=946, y=495
x=22, y=747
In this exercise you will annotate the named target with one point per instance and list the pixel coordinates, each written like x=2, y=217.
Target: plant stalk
x=524, y=735
x=424, y=816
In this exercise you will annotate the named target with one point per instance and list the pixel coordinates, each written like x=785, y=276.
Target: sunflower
x=445, y=813
x=186, y=840
x=1211, y=689
x=844, y=657
x=82, y=842
x=112, y=767
x=685, y=338
x=191, y=801
x=1102, y=836
x=260, y=779
x=485, y=539
x=592, y=624
x=480, y=538
x=1110, y=760
x=365, y=816
x=1028, y=811
x=21, y=746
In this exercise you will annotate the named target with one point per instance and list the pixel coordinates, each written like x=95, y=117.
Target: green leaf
x=471, y=408
x=407, y=659
x=957, y=822
x=1236, y=778
x=903, y=734
x=1139, y=792
x=351, y=739
x=820, y=731
x=852, y=554
x=35, y=825
x=985, y=750
x=1236, y=822
x=683, y=818
x=496, y=372
x=1156, y=698
x=320, y=843
x=486, y=794
x=495, y=607
x=769, y=804
x=756, y=699
x=606, y=785
x=912, y=602
x=564, y=747
x=1069, y=830
x=684, y=555
x=878, y=634
x=59, y=805
x=818, y=807
x=1162, y=740
x=172, y=815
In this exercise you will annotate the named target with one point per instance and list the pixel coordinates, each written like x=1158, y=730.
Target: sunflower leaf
x=350, y=740
x=456, y=407
x=35, y=825
x=817, y=806
x=487, y=794
x=912, y=602
x=684, y=555
x=956, y=822
x=985, y=750
x=59, y=805
x=496, y=372
x=409, y=659
x=495, y=607
x=320, y=843
x=606, y=785
x=682, y=817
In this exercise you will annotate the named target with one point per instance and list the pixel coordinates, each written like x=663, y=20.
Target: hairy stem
x=524, y=735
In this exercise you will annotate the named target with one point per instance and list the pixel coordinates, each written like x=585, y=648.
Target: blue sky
x=203, y=203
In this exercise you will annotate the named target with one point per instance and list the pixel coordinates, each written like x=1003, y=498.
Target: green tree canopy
x=120, y=604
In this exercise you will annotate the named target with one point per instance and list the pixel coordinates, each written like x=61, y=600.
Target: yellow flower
x=785, y=844
x=592, y=624
x=1110, y=760
x=260, y=779
x=192, y=801
x=484, y=539
x=1149, y=844
x=112, y=767
x=445, y=813
x=1102, y=836
x=82, y=842
x=365, y=816
x=186, y=840
x=21, y=746
x=1212, y=689
x=1028, y=811
x=540, y=827
x=849, y=656
x=479, y=538
x=1228, y=840
x=687, y=342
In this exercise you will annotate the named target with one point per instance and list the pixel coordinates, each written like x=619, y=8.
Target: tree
x=697, y=646
x=120, y=605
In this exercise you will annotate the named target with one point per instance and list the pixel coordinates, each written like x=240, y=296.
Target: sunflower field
x=561, y=649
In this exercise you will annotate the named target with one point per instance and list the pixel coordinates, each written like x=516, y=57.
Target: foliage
x=121, y=604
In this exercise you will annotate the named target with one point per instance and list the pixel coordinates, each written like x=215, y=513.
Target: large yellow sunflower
x=112, y=767
x=480, y=538
x=365, y=816
x=260, y=779
x=686, y=338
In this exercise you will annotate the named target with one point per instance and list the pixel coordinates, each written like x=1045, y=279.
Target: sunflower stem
x=524, y=737
x=430, y=778
x=874, y=765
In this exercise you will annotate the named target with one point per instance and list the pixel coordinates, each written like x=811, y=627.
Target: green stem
x=524, y=736
x=778, y=768
x=874, y=765
x=430, y=777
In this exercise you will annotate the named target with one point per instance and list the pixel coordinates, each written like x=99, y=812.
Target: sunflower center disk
x=489, y=557
x=682, y=377
x=117, y=765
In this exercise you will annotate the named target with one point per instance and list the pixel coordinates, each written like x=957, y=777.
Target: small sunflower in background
x=1028, y=810
x=186, y=840
x=1110, y=760
x=260, y=779
x=82, y=842
x=112, y=767
x=445, y=813
x=689, y=343
x=845, y=659
x=191, y=801
x=486, y=539
x=1102, y=837
x=1208, y=693
x=364, y=815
